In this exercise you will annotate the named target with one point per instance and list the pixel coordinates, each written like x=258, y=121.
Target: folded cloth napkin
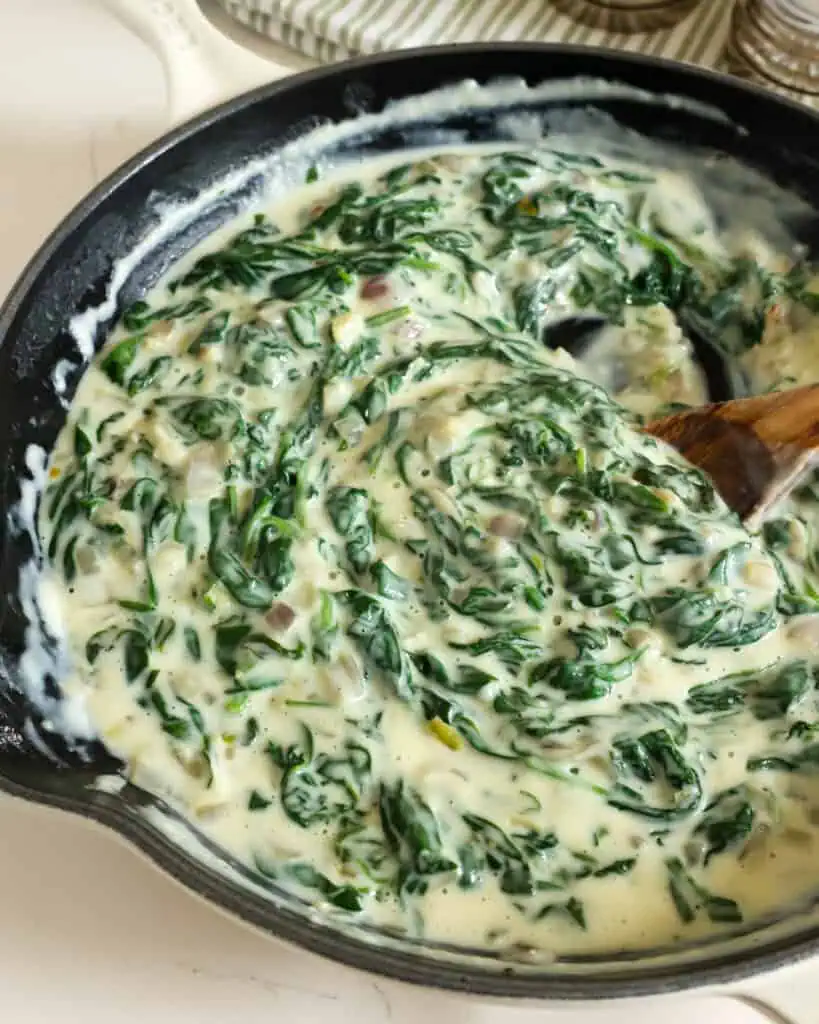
x=331, y=30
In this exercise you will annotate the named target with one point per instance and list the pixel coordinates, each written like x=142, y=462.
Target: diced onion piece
x=805, y=631
x=168, y=446
x=506, y=524
x=169, y=561
x=761, y=575
x=376, y=287
x=280, y=616
x=87, y=558
x=337, y=393
x=204, y=477
x=797, y=540
x=350, y=428
x=346, y=328
x=485, y=285
x=410, y=329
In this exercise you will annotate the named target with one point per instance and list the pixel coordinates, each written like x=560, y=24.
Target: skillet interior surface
x=70, y=274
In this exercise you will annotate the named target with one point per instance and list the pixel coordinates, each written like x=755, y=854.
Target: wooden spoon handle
x=754, y=449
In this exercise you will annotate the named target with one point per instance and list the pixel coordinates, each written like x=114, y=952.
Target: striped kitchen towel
x=330, y=30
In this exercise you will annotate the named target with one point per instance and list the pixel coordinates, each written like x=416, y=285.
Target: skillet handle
x=789, y=996
x=202, y=66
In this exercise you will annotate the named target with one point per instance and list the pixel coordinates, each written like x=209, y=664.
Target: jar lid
x=627, y=15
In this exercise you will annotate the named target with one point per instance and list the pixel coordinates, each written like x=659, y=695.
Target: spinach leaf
x=349, y=510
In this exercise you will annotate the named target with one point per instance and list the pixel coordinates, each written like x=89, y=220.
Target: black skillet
x=70, y=273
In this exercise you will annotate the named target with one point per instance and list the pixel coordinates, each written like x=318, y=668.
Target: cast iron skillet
x=70, y=273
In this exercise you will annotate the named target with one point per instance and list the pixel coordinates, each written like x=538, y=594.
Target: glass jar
x=627, y=15
x=776, y=41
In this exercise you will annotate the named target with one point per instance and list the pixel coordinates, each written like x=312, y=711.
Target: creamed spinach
x=397, y=602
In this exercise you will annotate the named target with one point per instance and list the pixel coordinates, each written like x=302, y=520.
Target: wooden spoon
x=755, y=450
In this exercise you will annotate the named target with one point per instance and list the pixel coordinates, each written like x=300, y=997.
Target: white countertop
x=89, y=931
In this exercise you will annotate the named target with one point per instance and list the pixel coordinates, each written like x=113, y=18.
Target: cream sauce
x=370, y=615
